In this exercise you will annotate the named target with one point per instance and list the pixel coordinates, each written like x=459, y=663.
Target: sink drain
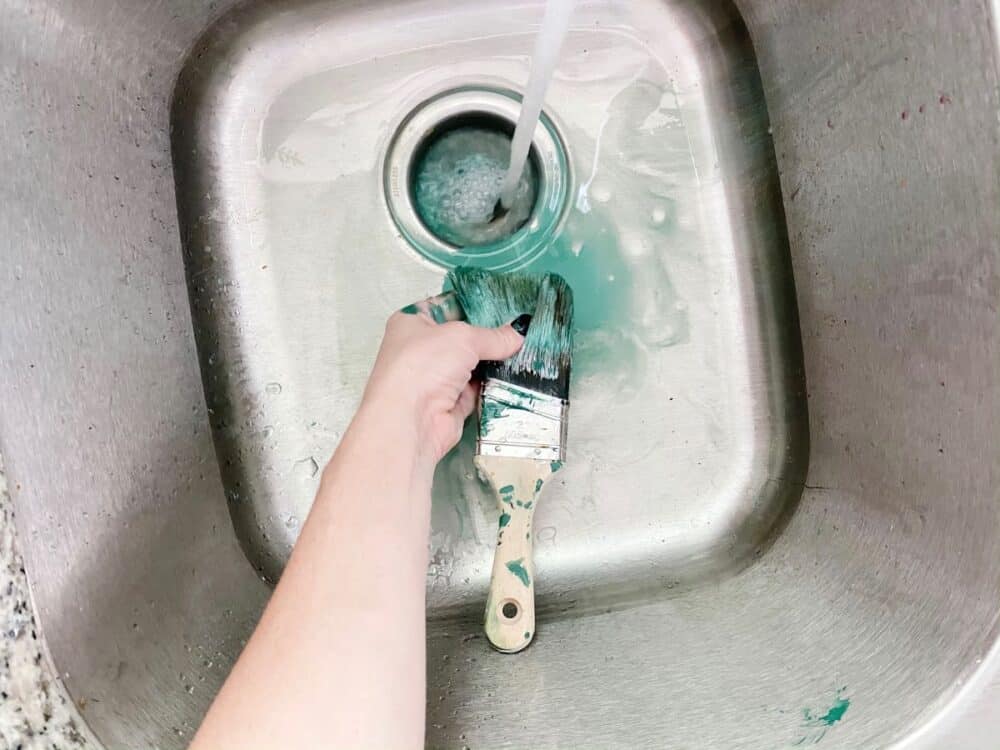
x=442, y=175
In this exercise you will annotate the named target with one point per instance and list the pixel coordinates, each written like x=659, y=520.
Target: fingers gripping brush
x=523, y=408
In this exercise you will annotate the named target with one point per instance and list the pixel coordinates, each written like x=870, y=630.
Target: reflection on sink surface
x=875, y=591
x=688, y=439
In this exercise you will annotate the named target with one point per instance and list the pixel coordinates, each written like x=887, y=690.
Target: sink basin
x=759, y=198
x=688, y=441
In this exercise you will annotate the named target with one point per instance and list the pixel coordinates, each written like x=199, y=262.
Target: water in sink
x=555, y=24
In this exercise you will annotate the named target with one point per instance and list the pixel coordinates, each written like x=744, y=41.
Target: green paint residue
x=410, y=310
x=527, y=634
x=516, y=567
x=538, y=485
x=528, y=504
x=834, y=714
x=504, y=519
x=457, y=183
x=491, y=410
x=506, y=494
x=438, y=314
x=520, y=504
x=555, y=465
x=818, y=724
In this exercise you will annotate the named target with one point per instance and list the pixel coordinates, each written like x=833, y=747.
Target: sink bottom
x=687, y=443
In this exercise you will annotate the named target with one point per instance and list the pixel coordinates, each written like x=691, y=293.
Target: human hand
x=422, y=375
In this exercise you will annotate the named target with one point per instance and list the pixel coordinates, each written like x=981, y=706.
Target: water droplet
x=658, y=216
x=577, y=247
x=273, y=389
x=308, y=465
x=291, y=522
x=189, y=689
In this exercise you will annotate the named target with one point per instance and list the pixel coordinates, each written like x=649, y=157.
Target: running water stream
x=543, y=63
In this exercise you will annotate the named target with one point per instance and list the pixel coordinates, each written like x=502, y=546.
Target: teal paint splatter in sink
x=834, y=714
x=457, y=185
x=817, y=722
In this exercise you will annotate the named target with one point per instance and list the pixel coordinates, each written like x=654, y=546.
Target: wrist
x=388, y=429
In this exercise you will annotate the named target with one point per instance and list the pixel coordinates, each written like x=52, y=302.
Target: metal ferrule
x=520, y=423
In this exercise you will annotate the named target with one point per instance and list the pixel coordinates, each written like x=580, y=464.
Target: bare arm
x=338, y=658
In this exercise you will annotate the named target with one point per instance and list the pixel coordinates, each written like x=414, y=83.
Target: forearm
x=343, y=636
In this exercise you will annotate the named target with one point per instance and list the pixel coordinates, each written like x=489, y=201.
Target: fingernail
x=521, y=323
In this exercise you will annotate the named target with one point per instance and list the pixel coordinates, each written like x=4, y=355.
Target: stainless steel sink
x=689, y=438
x=202, y=254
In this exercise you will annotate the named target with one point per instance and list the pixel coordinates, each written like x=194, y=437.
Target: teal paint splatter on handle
x=410, y=310
x=538, y=485
x=506, y=489
x=527, y=504
x=555, y=465
x=516, y=567
x=504, y=519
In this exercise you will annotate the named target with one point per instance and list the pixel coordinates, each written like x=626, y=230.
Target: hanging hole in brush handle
x=510, y=610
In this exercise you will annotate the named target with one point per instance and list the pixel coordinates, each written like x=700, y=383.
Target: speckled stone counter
x=35, y=711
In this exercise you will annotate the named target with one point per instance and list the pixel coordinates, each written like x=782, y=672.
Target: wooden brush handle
x=510, y=607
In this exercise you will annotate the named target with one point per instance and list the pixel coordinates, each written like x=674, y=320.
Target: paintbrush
x=523, y=409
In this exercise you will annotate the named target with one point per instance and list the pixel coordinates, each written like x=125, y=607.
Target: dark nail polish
x=521, y=323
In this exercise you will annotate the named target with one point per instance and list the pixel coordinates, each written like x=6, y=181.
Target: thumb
x=496, y=343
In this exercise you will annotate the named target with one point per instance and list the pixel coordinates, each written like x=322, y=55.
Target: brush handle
x=510, y=606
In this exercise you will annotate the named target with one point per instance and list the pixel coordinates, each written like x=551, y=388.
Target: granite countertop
x=35, y=711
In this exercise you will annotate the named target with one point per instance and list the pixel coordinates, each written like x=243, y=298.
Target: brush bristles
x=491, y=300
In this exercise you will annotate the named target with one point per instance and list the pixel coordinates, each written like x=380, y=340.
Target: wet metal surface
x=877, y=593
x=688, y=440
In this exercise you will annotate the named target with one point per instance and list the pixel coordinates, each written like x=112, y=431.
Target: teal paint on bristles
x=492, y=299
